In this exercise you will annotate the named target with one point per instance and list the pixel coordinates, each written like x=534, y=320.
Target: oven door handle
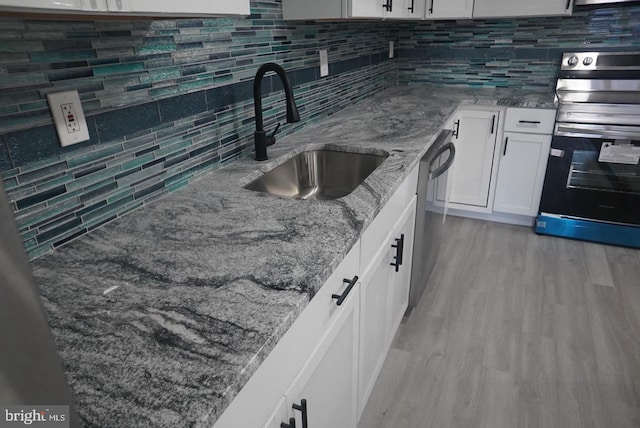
x=597, y=131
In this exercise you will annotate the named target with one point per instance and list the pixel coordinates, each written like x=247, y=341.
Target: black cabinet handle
x=388, y=5
x=302, y=407
x=568, y=5
x=412, y=6
x=291, y=424
x=431, y=7
x=533, y=122
x=343, y=296
x=399, y=246
x=506, y=143
x=493, y=124
x=457, y=131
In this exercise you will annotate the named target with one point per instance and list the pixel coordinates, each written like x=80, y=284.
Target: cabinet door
x=521, y=173
x=366, y=8
x=95, y=6
x=374, y=318
x=405, y=9
x=514, y=8
x=470, y=177
x=415, y=9
x=278, y=416
x=328, y=382
x=68, y=5
x=191, y=7
x=449, y=9
x=384, y=299
x=118, y=6
x=401, y=277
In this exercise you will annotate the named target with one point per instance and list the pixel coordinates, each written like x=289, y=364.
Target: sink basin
x=318, y=174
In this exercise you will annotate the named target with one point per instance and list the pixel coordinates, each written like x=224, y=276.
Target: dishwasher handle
x=444, y=167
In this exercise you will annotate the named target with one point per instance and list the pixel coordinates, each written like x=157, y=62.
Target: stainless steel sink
x=318, y=174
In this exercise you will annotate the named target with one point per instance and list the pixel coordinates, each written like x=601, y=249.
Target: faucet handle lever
x=271, y=139
x=275, y=131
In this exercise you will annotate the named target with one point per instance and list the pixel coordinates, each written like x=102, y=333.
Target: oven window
x=587, y=172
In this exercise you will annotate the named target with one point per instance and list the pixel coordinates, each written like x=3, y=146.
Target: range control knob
x=587, y=61
x=572, y=61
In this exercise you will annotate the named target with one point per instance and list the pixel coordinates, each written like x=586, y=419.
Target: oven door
x=593, y=178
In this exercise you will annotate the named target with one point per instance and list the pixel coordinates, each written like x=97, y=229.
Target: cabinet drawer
x=530, y=120
x=377, y=232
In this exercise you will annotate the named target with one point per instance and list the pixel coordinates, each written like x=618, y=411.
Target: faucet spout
x=260, y=136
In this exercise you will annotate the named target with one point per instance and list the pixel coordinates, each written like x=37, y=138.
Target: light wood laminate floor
x=517, y=330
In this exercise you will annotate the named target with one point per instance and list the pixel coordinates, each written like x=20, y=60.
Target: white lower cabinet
x=325, y=392
x=384, y=299
x=321, y=372
x=278, y=416
x=521, y=175
x=290, y=357
x=499, y=168
x=472, y=173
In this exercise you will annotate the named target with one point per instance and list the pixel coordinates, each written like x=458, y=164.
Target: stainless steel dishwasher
x=429, y=217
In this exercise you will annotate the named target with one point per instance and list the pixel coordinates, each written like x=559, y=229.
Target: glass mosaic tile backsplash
x=168, y=99
x=524, y=53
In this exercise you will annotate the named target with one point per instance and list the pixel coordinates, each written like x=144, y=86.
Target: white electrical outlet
x=391, y=49
x=324, y=63
x=68, y=117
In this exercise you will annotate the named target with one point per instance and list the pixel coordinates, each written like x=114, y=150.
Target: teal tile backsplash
x=523, y=53
x=166, y=99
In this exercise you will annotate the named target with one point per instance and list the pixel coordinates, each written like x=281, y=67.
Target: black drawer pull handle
x=399, y=246
x=568, y=5
x=493, y=124
x=431, y=7
x=412, y=6
x=291, y=424
x=457, y=131
x=388, y=5
x=302, y=407
x=343, y=296
x=506, y=143
x=532, y=122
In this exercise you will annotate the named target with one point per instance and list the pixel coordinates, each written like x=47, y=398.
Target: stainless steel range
x=592, y=185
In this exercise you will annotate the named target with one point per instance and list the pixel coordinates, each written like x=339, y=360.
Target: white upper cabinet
x=449, y=9
x=404, y=9
x=48, y=5
x=338, y=9
x=118, y=5
x=515, y=8
x=95, y=5
x=364, y=8
x=191, y=7
x=132, y=7
x=421, y=9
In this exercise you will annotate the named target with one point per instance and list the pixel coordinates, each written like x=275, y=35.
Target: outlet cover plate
x=68, y=117
x=324, y=63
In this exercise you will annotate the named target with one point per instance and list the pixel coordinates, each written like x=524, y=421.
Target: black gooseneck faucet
x=261, y=138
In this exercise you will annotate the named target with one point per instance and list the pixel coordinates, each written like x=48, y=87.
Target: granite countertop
x=211, y=277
